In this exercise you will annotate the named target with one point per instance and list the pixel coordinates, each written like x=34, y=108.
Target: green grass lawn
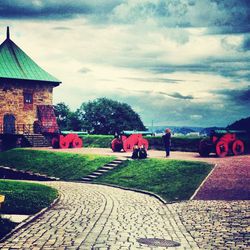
x=173, y=180
x=25, y=198
x=67, y=166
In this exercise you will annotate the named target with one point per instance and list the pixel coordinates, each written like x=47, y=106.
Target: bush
x=97, y=141
x=182, y=143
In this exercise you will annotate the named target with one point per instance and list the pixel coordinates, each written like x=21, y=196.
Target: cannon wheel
x=204, y=148
x=238, y=147
x=77, y=142
x=143, y=142
x=128, y=145
x=116, y=145
x=63, y=142
x=221, y=148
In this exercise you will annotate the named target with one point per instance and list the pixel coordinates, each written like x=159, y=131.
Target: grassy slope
x=171, y=179
x=66, y=166
x=25, y=198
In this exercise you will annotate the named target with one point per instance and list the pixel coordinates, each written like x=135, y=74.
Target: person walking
x=167, y=141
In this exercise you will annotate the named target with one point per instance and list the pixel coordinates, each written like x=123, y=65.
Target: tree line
x=100, y=116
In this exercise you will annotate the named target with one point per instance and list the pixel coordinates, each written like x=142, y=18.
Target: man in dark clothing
x=167, y=141
x=135, y=154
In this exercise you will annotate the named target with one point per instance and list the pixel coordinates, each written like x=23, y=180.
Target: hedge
x=187, y=144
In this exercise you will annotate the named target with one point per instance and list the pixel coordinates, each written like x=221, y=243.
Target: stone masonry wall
x=12, y=100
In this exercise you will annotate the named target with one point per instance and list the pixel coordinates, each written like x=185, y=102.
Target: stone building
x=26, y=93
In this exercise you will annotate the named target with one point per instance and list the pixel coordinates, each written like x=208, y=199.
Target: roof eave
x=55, y=83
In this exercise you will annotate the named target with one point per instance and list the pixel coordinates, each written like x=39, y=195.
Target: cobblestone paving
x=98, y=217
x=217, y=224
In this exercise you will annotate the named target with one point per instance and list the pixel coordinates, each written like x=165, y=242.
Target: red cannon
x=67, y=141
x=222, y=142
x=127, y=140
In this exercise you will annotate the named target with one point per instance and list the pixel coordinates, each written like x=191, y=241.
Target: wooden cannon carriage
x=223, y=143
x=128, y=139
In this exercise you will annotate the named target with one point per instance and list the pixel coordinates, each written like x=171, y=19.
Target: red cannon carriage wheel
x=238, y=147
x=128, y=145
x=63, y=142
x=116, y=145
x=221, y=148
x=77, y=143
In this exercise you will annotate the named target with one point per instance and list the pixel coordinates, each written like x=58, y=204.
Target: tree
x=105, y=116
x=243, y=124
x=66, y=119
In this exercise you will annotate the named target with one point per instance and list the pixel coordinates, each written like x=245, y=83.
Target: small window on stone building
x=28, y=98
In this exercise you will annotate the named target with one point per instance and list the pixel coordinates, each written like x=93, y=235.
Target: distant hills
x=175, y=129
x=243, y=124
x=207, y=131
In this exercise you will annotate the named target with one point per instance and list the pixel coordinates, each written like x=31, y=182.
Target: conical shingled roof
x=16, y=64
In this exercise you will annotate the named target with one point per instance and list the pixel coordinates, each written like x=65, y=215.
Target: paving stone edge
x=202, y=183
x=131, y=189
x=30, y=173
x=29, y=220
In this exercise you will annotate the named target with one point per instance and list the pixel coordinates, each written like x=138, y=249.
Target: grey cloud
x=84, y=70
x=230, y=29
x=236, y=68
x=53, y=9
x=220, y=16
x=236, y=96
x=177, y=95
x=61, y=28
x=246, y=43
x=174, y=95
x=157, y=79
x=180, y=112
x=217, y=14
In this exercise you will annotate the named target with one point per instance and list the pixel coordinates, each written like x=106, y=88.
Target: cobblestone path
x=217, y=225
x=98, y=217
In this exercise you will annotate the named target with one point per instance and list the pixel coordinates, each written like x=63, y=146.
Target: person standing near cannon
x=167, y=141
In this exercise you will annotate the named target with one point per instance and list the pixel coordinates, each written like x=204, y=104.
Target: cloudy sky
x=176, y=62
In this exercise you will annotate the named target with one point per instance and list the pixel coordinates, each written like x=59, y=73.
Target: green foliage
x=97, y=141
x=66, y=166
x=66, y=119
x=105, y=116
x=171, y=179
x=5, y=227
x=180, y=143
x=25, y=198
